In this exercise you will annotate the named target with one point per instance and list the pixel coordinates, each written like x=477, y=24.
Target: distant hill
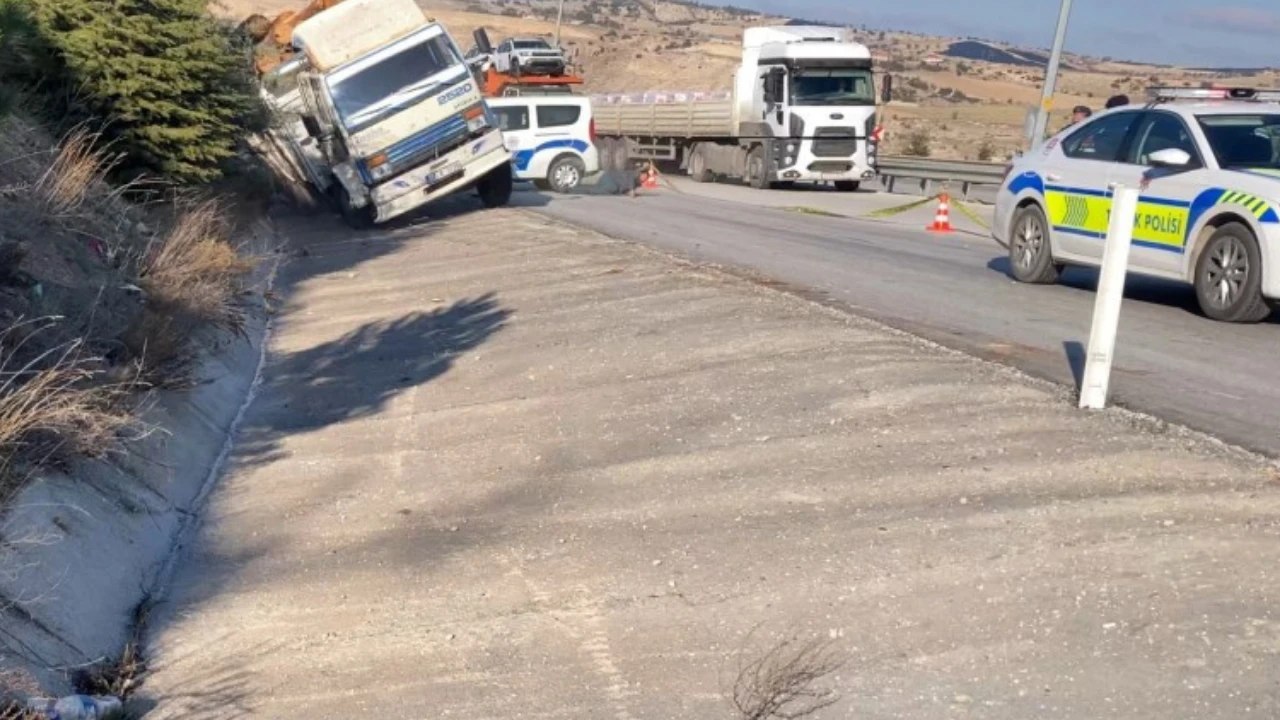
x=986, y=52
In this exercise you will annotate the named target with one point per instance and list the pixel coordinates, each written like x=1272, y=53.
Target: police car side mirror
x=1170, y=158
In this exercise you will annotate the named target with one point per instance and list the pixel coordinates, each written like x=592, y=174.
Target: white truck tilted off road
x=802, y=109
x=379, y=112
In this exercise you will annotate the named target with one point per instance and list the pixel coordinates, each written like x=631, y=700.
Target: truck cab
x=808, y=94
x=383, y=114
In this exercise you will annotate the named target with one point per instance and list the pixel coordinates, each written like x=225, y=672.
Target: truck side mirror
x=774, y=85
x=313, y=126
x=482, y=41
x=886, y=90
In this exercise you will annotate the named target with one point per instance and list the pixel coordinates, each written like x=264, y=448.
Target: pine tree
x=169, y=80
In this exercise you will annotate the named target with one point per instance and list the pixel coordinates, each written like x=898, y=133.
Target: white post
x=559, y=19
x=1106, y=308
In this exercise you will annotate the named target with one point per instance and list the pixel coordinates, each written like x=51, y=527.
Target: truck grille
x=830, y=166
x=835, y=142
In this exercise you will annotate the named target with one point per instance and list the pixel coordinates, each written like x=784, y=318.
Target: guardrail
x=922, y=176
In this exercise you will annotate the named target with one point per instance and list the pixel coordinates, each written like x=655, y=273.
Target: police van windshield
x=1244, y=141
x=370, y=89
x=832, y=86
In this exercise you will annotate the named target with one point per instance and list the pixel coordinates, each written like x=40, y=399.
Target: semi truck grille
x=830, y=166
x=835, y=142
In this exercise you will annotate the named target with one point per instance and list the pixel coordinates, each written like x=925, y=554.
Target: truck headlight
x=379, y=166
x=476, y=118
x=791, y=148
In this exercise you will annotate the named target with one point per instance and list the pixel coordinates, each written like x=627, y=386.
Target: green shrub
x=171, y=85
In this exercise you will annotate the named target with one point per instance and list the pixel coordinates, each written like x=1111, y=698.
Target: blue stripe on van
x=524, y=157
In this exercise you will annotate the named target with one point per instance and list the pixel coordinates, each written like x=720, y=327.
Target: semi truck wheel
x=495, y=188
x=757, y=170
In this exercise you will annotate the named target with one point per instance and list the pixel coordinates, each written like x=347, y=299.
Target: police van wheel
x=566, y=173
x=1030, y=256
x=495, y=188
x=1229, y=277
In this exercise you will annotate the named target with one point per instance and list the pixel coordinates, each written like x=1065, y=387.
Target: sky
x=1190, y=33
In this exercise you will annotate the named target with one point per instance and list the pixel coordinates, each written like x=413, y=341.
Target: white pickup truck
x=380, y=113
x=802, y=109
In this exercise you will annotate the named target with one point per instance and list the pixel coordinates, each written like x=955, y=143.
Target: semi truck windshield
x=832, y=86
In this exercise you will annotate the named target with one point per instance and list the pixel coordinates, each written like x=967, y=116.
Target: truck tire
x=621, y=154
x=698, y=166
x=566, y=173
x=495, y=188
x=1228, y=276
x=604, y=148
x=356, y=218
x=847, y=185
x=758, y=169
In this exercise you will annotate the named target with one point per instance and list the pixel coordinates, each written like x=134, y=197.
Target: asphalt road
x=1171, y=362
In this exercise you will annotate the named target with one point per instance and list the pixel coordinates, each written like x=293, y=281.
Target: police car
x=1207, y=162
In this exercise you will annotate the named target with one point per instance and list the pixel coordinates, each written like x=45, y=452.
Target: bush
x=986, y=151
x=193, y=277
x=918, y=143
x=172, y=85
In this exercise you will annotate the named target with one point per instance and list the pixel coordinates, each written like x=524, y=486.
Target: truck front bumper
x=440, y=177
x=806, y=167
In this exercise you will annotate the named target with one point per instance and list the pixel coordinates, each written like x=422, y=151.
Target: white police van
x=552, y=138
x=1207, y=162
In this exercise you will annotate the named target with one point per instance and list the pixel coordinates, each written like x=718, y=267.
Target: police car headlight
x=379, y=166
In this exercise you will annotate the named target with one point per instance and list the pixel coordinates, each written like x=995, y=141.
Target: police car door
x=1078, y=203
x=1160, y=229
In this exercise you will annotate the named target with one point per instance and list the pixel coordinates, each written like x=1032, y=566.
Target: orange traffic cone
x=649, y=178
x=942, y=220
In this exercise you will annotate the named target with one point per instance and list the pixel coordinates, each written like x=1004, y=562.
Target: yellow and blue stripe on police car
x=1161, y=223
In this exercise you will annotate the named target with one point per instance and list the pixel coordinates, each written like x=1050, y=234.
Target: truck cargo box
x=676, y=115
x=354, y=28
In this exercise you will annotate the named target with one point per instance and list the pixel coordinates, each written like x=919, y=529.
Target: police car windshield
x=1244, y=141
x=368, y=93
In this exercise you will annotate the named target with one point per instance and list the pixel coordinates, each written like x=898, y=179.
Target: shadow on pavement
x=355, y=375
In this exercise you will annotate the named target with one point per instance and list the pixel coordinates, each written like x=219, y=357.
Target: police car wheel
x=1229, y=277
x=1030, y=256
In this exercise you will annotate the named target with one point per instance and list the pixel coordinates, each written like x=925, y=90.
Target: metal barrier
x=924, y=177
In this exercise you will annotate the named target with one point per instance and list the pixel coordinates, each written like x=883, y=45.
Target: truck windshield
x=532, y=45
x=413, y=69
x=1244, y=142
x=832, y=86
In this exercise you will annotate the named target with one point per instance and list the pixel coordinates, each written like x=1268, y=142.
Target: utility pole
x=559, y=19
x=1050, y=76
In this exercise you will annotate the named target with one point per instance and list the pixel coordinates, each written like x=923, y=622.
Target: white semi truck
x=802, y=109
x=379, y=112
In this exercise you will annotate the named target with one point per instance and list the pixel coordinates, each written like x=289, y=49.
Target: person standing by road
x=1116, y=101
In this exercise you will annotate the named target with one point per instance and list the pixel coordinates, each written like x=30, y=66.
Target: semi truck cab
x=808, y=94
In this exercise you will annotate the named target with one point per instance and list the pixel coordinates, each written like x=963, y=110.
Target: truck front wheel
x=357, y=218
x=495, y=188
x=757, y=169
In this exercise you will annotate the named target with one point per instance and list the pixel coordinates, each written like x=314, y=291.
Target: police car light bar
x=1164, y=94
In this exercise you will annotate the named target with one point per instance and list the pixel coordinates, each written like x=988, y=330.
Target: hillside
x=969, y=97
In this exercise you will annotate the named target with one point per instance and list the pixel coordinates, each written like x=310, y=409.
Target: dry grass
x=79, y=168
x=784, y=681
x=55, y=405
x=193, y=277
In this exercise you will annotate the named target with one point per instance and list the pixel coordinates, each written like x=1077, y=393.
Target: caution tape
x=898, y=210
x=971, y=214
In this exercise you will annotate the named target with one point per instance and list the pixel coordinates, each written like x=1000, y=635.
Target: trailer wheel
x=698, y=166
x=604, y=148
x=621, y=154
